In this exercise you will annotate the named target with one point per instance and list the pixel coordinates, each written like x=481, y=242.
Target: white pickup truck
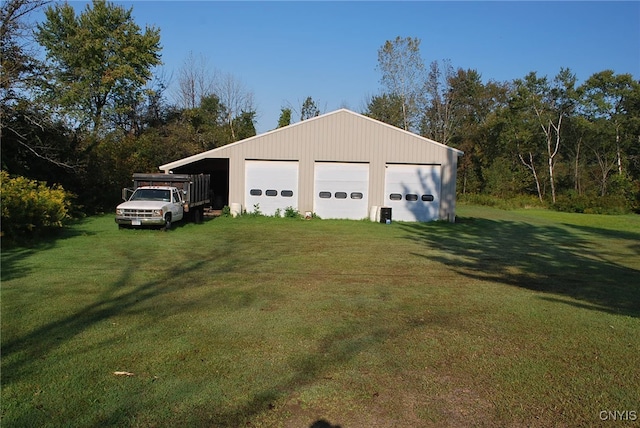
x=151, y=206
x=161, y=199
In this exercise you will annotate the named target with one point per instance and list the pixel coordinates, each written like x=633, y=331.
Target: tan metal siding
x=338, y=136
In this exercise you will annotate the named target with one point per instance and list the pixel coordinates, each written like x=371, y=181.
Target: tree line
x=574, y=146
x=91, y=112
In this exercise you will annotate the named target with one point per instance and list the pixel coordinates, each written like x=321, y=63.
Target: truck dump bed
x=196, y=187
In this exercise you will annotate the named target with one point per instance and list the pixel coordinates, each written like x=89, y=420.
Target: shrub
x=571, y=202
x=510, y=203
x=255, y=213
x=30, y=207
x=587, y=204
x=291, y=212
x=622, y=186
x=503, y=179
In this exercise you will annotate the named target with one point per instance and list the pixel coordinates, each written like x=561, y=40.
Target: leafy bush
x=511, y=203
x=291, y=212
x=255, y=213
x=623, y=186
x=587, y=204
x=503, y=179
x=571, y=202
x=30, y=207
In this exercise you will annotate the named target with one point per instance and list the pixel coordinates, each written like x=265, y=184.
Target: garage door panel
x=271, y=185
x=341, y=190
x=413, y=192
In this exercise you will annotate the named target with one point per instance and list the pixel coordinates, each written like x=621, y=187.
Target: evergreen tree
x=285, y=117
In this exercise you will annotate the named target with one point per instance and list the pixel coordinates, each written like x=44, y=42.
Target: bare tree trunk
x=551, y=162
x=196, y=80
x=576, y=172
x=235, y=98
x=404, y=114
x=439, y=92
x=618, y=149
x=464, y=183
x=605, y=169
x=550, y=129
x=532, y=167
x=230, y=121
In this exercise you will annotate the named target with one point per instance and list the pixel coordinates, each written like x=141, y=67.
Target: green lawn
x=506, y=318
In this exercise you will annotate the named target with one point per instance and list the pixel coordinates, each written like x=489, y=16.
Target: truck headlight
x=119, y=211
x=157, y=213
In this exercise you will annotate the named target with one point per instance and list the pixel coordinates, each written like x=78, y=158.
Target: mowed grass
x=521, y=318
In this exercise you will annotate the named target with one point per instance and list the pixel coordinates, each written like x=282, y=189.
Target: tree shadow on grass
x=117, y=298
x=332, y=350
x=122, y=295
x=562, y=260
x=557, y=260
x=16, y=250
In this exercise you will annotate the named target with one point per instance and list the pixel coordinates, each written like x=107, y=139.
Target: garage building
x=337, y=165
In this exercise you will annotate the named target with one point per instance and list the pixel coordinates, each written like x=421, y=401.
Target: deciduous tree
x=97, y=59
x=196, y=80
x=605, y=96
x=236, y=98
x=437, y=103
x=19, y=63
x=402, y=70
x=519, y=134
x=34, y=143
x=551, y=104
x=473, y=108
x=386, y=108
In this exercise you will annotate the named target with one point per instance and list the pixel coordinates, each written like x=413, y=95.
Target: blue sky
x=286, y=51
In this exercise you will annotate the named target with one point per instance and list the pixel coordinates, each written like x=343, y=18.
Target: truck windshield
x=151, y=195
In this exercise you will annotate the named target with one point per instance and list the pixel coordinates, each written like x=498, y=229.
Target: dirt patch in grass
x=408, y=400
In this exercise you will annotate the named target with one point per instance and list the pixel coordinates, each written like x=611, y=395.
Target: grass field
x=506, y=318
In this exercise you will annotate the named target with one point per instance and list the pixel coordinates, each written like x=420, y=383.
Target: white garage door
x=271, y=185
x=341, y=190
x=413, y=192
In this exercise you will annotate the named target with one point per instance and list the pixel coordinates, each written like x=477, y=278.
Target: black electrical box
x=385, y=215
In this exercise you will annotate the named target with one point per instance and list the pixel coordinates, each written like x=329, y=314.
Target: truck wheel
x=197, y=216
x=167, y=222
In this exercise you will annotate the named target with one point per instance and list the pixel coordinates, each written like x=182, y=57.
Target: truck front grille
x=138, y=213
